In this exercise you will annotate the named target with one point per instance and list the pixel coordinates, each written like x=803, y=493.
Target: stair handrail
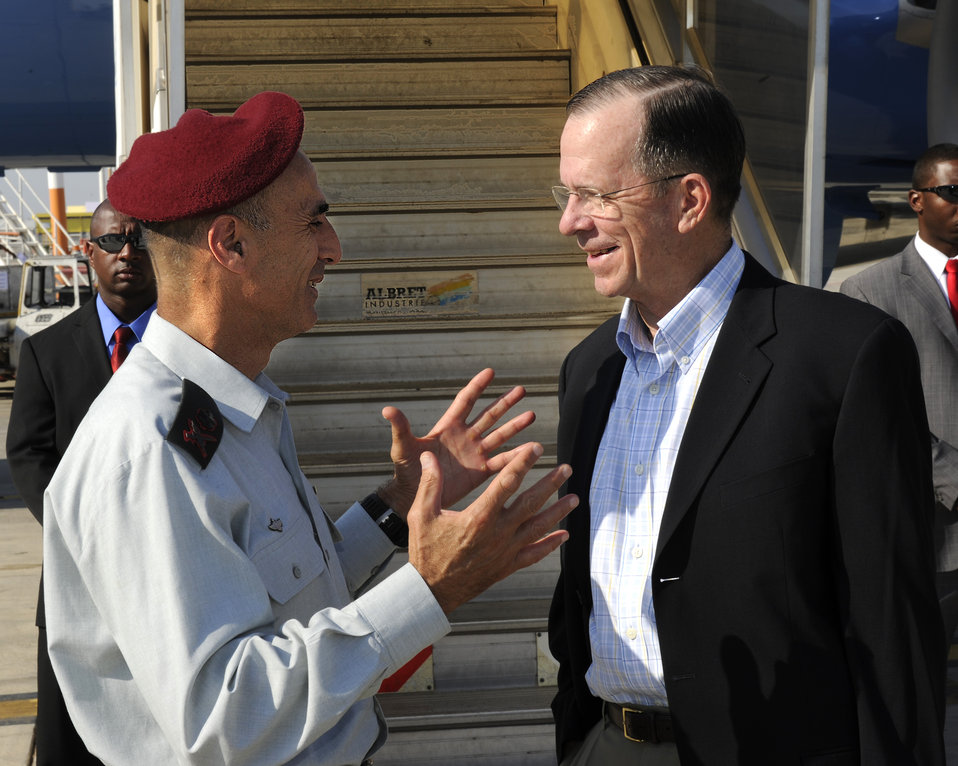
x=56, y=225
x=16, y=229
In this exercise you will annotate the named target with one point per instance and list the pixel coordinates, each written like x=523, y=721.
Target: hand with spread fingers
x=461, y=553
x=464, y=450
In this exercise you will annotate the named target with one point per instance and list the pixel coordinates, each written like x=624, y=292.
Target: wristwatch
x=390, y=522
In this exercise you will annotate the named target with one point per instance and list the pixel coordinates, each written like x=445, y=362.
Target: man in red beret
x=201, y=607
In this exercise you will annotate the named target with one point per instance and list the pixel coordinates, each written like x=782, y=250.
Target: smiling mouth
x=606, y=251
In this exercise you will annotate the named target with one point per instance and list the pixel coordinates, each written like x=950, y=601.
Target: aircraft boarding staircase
x=434, y=128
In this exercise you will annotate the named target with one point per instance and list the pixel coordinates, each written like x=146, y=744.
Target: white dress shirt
x=205, y=615
x=935, y=260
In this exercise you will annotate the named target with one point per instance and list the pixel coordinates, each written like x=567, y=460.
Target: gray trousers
x=606, y=745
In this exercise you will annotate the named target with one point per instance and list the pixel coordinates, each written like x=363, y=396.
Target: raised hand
x=464, y=450
x=461, y=553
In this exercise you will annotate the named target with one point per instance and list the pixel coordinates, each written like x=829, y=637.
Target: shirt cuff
x=404, y=613
x=365, y=547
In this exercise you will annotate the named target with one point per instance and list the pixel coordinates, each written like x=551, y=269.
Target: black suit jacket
x=793, y=579
x=60, y=371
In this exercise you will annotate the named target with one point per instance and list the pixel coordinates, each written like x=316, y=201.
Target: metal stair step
x=334, y=37
x=480, y=728
x=340, y=483
x=408, y=132
x=540, y=77
x=541, y=287
x=337, y=7
x=438, y=180
x=416, y=232
x=425, y=350
x=416, y=711
x=501, y=616
x=356, y=426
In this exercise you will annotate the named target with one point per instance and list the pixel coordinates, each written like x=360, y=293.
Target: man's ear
x=914, y=200
x=696, y=201
x=228, y=243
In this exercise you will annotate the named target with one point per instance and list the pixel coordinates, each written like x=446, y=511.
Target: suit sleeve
x=567, y=642
x=884, y=510
x=945, y=467
x=944, y=455
x=563, y=704
x=31, y=433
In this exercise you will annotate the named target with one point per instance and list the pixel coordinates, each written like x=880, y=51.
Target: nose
x=573, y=218
x=330, y=250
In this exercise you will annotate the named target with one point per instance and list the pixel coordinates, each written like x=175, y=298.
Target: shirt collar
x=932, y=256
x=109, y=321
x=684, y=331
x=240, y=400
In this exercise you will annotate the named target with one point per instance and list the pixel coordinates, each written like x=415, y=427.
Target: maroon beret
x=208, y=163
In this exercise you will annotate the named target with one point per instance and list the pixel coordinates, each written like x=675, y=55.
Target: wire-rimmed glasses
x=595, y=202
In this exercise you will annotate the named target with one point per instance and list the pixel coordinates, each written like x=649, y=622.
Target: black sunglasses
x=114, y=243
x=948, y=192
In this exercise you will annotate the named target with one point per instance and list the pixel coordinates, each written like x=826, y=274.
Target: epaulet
x=198, y=426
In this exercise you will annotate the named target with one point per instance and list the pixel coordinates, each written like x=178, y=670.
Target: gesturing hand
x=464, y=450
x=460, y=554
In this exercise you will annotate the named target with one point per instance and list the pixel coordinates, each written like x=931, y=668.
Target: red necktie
x=120, y=348
x=951, y=276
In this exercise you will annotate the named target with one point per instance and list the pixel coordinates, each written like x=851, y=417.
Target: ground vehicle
x=50, y=288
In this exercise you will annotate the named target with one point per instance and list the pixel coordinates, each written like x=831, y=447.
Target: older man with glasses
x=60, y=372
x=749, y=575
x=919, y=286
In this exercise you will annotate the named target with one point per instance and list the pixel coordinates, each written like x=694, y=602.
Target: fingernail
x=537, y=449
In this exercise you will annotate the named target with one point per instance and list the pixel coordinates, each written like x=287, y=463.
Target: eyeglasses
x=948, y=192
x=114, y=243
x=593, y=201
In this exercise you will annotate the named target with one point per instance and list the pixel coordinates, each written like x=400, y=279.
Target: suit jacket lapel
x=89, y=343
x=918, y=280
x=593, y=416
x=732, y=380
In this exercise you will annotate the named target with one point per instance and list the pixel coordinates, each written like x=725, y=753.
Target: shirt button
x=684, y=361
x=654, y=388
x=632, y=633
x=273, y=405
x=297, y=572
x=637, y=552
x=639, y=469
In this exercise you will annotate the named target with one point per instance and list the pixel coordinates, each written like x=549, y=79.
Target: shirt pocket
x=290, y=562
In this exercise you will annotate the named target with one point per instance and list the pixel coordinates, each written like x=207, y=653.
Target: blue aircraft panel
x=56, y=84
x=877, y=95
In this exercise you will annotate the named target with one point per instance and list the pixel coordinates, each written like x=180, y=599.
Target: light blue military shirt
x=205, y=615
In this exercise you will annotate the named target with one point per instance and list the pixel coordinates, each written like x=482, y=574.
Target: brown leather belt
x=640, y=725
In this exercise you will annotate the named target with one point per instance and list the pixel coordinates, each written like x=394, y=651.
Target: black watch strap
x=388, y=520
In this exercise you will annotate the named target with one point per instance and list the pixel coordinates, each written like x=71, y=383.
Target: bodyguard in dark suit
x=749, y=577
x=59, y=373
x=913, y=286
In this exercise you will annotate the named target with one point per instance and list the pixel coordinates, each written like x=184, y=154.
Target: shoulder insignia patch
x=198, y=426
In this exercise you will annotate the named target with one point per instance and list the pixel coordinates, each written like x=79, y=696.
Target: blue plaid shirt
x=631, y=480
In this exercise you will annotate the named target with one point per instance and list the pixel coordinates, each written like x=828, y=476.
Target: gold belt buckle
x=625, y=728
